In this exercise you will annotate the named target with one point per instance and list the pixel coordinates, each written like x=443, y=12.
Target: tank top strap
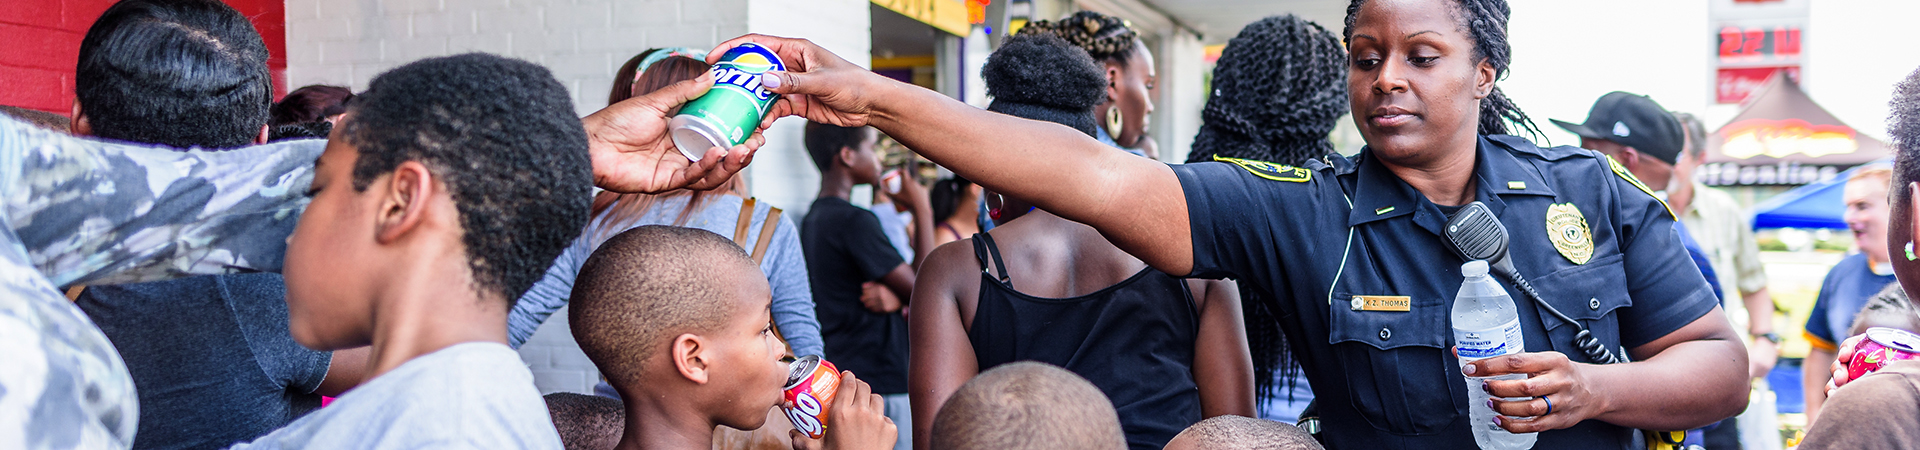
x=1186, y=291
x=983, y=248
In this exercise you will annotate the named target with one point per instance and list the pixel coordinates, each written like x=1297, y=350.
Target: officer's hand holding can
x=730, y=112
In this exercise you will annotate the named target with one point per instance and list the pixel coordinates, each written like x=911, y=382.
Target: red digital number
x=1729, y=42
x=1786, y=41
x=1759, y=42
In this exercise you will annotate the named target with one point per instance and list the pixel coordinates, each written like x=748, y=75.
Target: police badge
x=1568, y=231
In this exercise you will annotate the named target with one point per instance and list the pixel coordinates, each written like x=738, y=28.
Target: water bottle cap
x=1474, y=268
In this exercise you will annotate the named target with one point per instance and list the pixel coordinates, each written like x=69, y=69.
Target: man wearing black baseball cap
x=1647, y=140
x=1636, y=132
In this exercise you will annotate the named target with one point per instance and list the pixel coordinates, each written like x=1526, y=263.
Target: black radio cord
x=1583, y=339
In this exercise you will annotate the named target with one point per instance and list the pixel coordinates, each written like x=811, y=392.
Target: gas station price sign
x=1759, y=45
x=1751, y=51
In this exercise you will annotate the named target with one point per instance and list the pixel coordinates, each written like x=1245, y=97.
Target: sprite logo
x=744, y=72
x=737, y=101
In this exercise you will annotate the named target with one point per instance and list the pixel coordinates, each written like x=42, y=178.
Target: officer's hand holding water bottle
x=1486, y=325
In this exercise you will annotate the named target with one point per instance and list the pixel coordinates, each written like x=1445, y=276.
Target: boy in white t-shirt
x=448, y=188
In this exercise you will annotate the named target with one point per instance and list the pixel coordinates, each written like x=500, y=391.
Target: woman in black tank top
x=1165, y=351
x=1134, y=340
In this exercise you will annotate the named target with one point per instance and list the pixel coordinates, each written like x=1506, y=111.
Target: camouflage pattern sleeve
x=92, y=212
x=79, y=211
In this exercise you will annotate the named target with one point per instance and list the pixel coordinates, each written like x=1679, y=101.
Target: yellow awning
x=947, y=15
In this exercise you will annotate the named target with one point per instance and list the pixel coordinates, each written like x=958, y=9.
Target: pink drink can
x=1882, y=346
x=811, y=384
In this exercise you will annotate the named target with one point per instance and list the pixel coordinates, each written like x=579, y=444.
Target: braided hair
x=1278, y=90
x=1105, y=38
x=1486, y=22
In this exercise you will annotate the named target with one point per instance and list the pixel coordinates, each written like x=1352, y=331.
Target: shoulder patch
x=1271, y=171
x=1622, y=172
x=1522, y=145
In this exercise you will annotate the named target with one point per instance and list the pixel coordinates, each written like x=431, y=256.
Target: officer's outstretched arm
x=1692, y=377
x=1135, y=202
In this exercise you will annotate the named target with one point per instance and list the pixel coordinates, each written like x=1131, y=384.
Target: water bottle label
x=1497, y=341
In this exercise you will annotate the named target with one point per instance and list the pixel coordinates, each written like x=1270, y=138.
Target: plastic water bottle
x=1485, y=325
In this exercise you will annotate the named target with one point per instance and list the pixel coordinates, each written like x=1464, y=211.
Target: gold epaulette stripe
x=1271, y=171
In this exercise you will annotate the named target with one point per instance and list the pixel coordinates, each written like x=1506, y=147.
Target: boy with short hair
x=1890, y=309
x=450, y=186
x=1027, y=406
x=678, y=319
x=1242, y=433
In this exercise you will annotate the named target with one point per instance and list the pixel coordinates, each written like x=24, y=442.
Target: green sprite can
x=728, y=113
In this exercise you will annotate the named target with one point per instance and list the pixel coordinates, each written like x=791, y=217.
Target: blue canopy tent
x=1816, y=205
x=1779, y=125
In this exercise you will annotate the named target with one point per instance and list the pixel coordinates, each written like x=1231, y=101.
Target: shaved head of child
x=586, y=422
x=677, y=319
x=1242, y=433
x=1890, y=309
x=1027, y=405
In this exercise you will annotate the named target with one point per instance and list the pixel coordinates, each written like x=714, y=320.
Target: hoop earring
x=1113, y=122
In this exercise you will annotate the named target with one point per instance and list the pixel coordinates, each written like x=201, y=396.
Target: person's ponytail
x=1496, y=111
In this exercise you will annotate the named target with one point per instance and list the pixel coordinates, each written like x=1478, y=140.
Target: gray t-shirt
x=474, y=395
x=784, y=265
x=211, y=357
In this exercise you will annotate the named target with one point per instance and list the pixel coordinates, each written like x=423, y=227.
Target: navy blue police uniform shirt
x=1320, y=235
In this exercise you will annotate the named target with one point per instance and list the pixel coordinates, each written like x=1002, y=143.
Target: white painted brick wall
x=782, y=173
x=556, y=361
x=348, y=42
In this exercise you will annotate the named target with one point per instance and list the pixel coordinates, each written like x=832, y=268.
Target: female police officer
x=1421, y=83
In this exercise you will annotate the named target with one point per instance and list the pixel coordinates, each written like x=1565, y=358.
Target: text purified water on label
x=1487, y=343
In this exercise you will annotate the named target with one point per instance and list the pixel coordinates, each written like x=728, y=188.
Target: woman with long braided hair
x=1122, y=118
x=1278, y=89
x=1166, y=352
x=1625, y=333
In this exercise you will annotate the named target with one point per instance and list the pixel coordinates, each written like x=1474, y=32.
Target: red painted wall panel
x=40, y=44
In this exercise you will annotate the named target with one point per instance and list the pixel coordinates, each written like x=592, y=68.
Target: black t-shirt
x=1325, y=238
x=211, y=357
x=846, y=247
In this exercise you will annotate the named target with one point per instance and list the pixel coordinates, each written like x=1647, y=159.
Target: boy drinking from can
x=677, y=319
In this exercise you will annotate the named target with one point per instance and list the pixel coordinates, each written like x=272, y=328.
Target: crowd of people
x=190, y=264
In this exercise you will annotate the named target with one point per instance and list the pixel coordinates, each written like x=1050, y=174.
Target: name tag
x=1397, y=303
